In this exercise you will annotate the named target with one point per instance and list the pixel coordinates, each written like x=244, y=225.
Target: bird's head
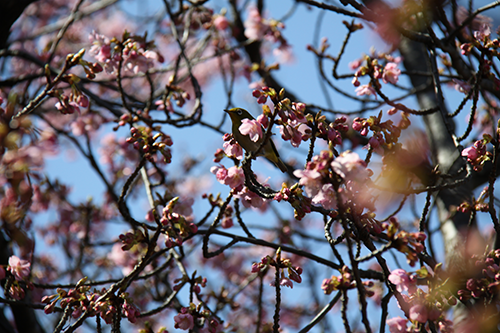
x=238, y=114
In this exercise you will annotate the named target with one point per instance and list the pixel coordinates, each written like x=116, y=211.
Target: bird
x=268, y=151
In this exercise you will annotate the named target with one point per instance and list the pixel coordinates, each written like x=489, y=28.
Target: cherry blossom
x=350, y=166
x=397, y=325
x=366, y=89
x=19, y=268
x=391, y=73
x=403, y=280
x=252, y=128
x=184, y=320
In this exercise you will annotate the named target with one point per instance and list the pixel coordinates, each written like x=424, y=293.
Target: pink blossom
x=311, y=180
x=219, y=172
x=366, y=89
x=471, y=153
x=391, y=73
x=483, y=32
x=350, y=167
x=355, y=64
x=284, y=54
x=235, y=177
x=221, y=22
x=101, y=47
x=397, y=325
x=130, y=311
x=295, y=127
x=121, y=258
x=263, y=120
x=255, y=28
x=418, y=312
x=19, y=268
x=252, y=128
x=403, y=281
x=326, y=197
x=82, y=100
x=233, y=149
x=250, y=199
x=375, y=141
x=284, y=282
x=184, y=320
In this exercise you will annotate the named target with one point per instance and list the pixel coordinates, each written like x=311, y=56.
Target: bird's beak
x=227, y=111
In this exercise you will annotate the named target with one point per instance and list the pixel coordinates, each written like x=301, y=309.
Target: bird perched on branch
x=268, y=151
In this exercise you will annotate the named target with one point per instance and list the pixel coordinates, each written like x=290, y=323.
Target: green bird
x=268, y=151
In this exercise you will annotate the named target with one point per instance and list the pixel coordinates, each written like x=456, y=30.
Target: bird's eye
x=240, y=112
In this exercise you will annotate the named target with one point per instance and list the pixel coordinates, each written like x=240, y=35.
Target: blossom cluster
x=293, y=124
x=192, y=317
x=80, y=299
x=144, y=140
x=258, y=28
x=134, y=52
x=19, y=269
x=477, y=154
x=294, y=195
x=176, y=225
x=293, y=272
x=487, y=283
x=385, y=133
x=388, y=72
x=320, y=178
x=423, y=306
x=344, y=281
x=477, y=205
x=408, y=243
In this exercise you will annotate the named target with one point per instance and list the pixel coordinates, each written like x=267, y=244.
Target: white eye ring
x=240, y=113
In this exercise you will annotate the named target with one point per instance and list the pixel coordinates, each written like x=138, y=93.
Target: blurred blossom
x=391, y=73
x=122, y=259
x=184, y=320
x=355, y=64
x=385, y=18
x=477, y=23
x=255, y=27
x=366, y=89
x=350, y=166
x=19, y=268
x=284, y=54
x=483, y=32
x=327, y=197
x=221, y=22
x=418, y=312
x=397, y=325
